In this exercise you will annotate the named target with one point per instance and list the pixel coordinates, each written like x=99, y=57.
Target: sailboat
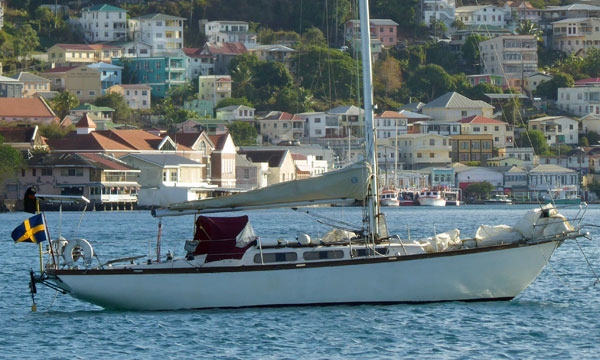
x=228, y=265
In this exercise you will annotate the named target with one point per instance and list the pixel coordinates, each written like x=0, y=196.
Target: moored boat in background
x=431, y=198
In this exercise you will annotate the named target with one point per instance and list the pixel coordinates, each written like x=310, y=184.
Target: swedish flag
x=31, y=230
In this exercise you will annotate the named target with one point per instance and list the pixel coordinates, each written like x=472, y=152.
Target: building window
x=46, y=171
x=174, y=176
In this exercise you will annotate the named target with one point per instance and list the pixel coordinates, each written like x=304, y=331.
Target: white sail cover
x=349, y=183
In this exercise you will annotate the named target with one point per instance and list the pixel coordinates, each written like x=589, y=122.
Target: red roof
x=60, y=69
x=587, y=81
x=110, y=164
x=187, y=139
x=298, y=157
x=82, y=47
x=392, y=115
x=25, y=107
x=194, y=53
x=478, y=119
x=280, y=115
x=218, y=140
x=229, y=48
x=86, y=122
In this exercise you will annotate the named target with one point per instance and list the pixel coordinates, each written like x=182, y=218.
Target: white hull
x=476, y=274
x=389, y=202
x=426, y=201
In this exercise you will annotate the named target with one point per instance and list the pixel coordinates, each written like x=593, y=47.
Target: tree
x=458, y=25
x=243, y=133
x=313, y=37
x=118, y=103
x=529, y=28
x=387, y=76
x=10, y=162
x=430, y=81
x=593, y=138
x=535, y=139
x=549, y=89
x=480, y=190
x=293, y=100
x=63, y=102
x=591, y=62
x=233, y=101
x=470, y=51
x=478, y=91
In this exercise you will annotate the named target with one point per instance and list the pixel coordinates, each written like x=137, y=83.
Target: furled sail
x=349, y=183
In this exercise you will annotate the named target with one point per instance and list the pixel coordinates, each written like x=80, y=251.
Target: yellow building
x=502, y=132
x=214, y=88
x=80, y=81
x=62, y=55
x=467, y=148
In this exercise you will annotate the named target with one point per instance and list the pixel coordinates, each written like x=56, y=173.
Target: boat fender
x=304, y=239
x=77, y=248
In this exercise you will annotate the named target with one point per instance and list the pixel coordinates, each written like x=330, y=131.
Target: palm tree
x=64, y=102
x=529, y=28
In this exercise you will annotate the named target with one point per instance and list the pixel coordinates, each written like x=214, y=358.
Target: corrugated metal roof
x=455, y=100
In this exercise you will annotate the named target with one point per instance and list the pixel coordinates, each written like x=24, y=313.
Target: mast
x=373, y=195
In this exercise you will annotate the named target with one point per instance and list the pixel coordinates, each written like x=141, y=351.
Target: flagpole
x=37, y=205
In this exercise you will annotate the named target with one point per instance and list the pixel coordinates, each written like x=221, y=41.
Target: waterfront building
x=471, y=147
x=526, y=154
x=418, y=151
x=467, y=175
x=104, y=23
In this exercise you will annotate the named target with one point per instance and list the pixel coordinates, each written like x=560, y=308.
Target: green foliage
x=478, y=91
x=595, y=188
x=439, y=53
x=430, y=81
x=458, y=25
x=63, y=102
x=327, y=73
x=480, y=190
x=511, y=111
x=118, y=103
x=592, y=138
x=293, y=100
x=549, y=89
x=313, y=37
x=561, y=149
x=591, y=62
x=55, y=131
x=10, y=162
x=470, y=51
x=529, y=28
x=268, y=36
x=233, y=101
x=535, y=139
x=387, y=76
x=403, y=12
x=243, y=133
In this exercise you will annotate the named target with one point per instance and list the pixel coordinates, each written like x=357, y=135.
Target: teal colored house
x=204, y=108
x=160, y=73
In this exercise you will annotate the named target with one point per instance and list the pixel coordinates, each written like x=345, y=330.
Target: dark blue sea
x=558, y=316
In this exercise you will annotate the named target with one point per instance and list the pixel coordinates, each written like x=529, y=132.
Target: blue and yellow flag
x=31, y=230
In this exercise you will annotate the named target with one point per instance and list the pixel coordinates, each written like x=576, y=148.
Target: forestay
x=349, y=183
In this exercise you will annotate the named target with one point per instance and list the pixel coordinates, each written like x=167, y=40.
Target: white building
x=582, y=99
x=420, y=150
x=453, y=106
x=556, y=129
x=104, y=23
x=575, y=36
x=198, y=63
x=164, y=33
x=512, y=56
x=546, y=177
x=134, y=49
x=319, y=124
x=440, y=10
x=390, y=124
x=138, y=96
x=236, y=113
x=222, y=31
x=481, y=15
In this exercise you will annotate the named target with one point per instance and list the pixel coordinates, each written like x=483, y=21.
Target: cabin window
x=275, y=257
x=363, y=251
x=323, y=255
